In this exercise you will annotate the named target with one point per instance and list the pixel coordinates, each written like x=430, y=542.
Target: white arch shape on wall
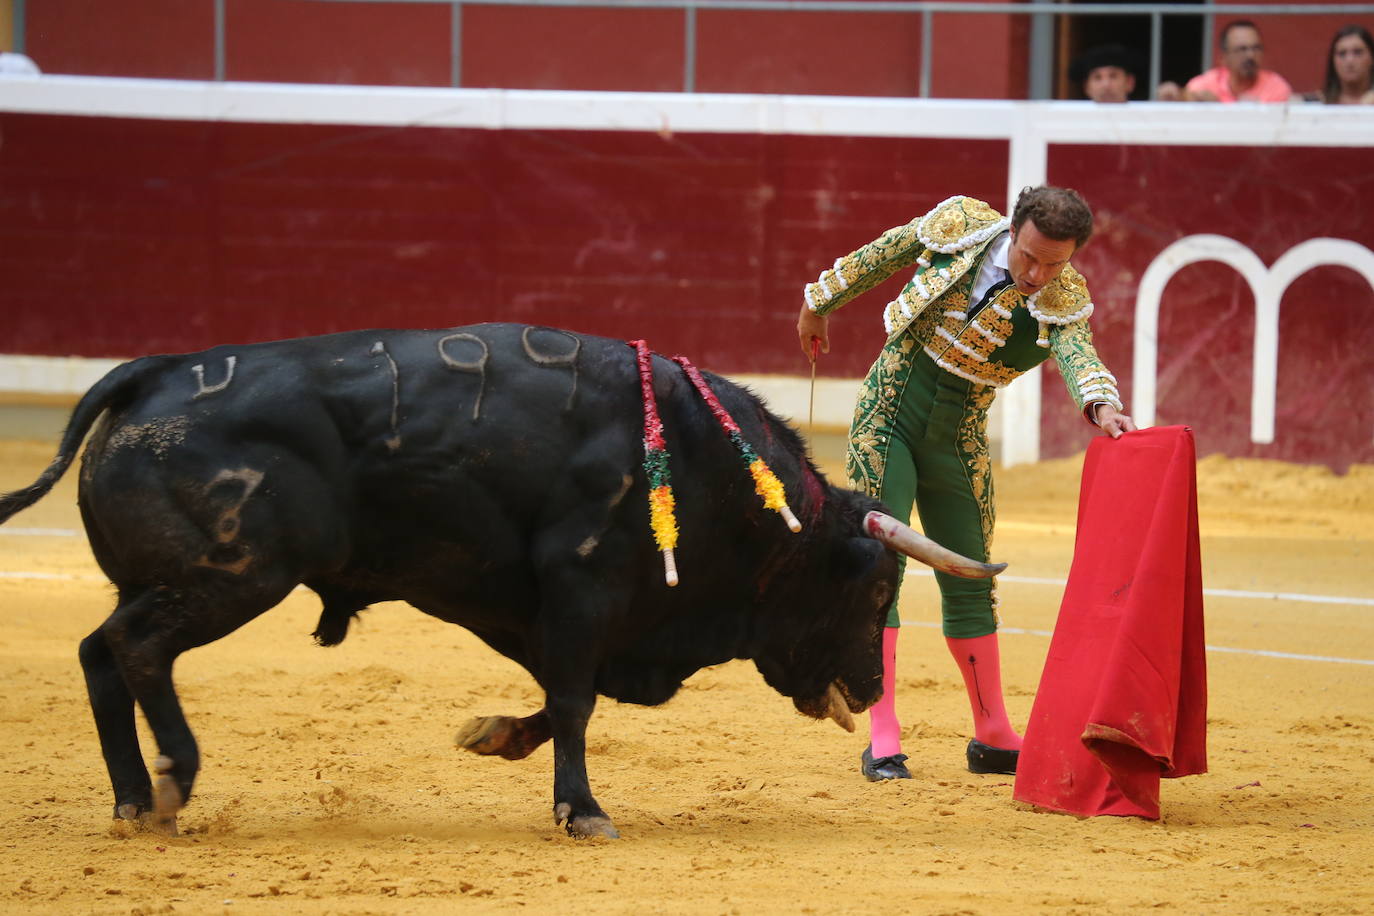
x=1266, y=284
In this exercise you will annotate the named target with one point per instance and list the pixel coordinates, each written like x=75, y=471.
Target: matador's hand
x=810, y=325
x=1113, y=422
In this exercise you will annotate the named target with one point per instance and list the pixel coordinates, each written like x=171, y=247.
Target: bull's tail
x=113, y=391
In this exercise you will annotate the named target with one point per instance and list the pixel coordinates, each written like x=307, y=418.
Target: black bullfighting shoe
x=984, y=758
x=893, y=767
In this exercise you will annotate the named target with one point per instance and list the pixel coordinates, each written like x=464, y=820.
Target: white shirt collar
x=997, y=252
x=994, y=268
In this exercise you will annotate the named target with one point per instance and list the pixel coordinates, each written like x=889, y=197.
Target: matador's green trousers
x=920, y=435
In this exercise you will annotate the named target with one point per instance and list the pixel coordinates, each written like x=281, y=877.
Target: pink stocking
x=885, y=732
x=981, y=666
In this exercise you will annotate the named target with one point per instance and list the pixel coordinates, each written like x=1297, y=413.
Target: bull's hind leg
x=129, y=658
x=113, y=707
x=137, y=646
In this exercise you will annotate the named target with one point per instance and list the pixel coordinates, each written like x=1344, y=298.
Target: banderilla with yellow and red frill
x=662, y=519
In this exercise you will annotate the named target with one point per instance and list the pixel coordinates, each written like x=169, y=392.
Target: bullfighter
x=991, y=298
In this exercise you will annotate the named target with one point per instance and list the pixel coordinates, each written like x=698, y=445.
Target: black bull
x=490, y=476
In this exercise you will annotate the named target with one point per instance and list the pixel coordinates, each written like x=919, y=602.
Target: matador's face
x=1034, y=259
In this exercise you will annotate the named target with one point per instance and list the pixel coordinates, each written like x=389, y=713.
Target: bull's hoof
x=129, y=812
x=584, y=826
x=486, y=735
x=503, y=736
x=167, y=799
x=131, y=818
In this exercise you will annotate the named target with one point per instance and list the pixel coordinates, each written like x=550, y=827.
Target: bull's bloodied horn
x=903, y=539
x=838, y=709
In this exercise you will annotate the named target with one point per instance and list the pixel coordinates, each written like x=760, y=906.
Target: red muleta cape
x=1122, y=701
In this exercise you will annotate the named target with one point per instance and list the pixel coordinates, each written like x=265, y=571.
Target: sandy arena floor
x=331, y=785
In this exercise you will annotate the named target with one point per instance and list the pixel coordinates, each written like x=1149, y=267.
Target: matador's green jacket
x=1012, y=334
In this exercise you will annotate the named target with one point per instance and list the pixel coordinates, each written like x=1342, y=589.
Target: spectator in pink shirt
x=1241, y=76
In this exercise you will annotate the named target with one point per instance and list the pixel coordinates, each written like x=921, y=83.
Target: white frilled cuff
x=828, y=285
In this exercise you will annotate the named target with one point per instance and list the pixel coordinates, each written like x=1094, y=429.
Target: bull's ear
x=856, y=556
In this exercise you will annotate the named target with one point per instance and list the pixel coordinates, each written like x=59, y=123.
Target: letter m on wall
x=1266, y=283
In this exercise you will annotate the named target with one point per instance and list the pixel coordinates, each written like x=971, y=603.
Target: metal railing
x=1041, y=36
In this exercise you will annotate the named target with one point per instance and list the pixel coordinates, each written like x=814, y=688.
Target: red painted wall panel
x=182, y=235
x=631, y=50
x=1268, y=200
x=979, y=56
x=526, y=47
x=301, y=41
x=169, y=39
x=121, y=237
x=809, y=53
x=595, y=48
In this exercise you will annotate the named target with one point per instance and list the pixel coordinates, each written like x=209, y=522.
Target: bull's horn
x=838, y=709
x=903, y=539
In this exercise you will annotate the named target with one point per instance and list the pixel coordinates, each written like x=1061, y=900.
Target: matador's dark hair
x=1059, y=213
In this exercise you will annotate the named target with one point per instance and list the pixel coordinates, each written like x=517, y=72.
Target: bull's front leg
x=504, y=736
x=566, y=653
x=584, y=593
x=573, y=804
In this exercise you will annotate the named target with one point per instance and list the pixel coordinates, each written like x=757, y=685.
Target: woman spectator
x=1349, y=69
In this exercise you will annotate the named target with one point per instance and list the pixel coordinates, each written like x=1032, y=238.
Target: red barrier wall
x=592, y=48
x=1268, y=200
x=635, y=50
x=301, y=41
x=165, y=39
x=980, y=56
x=809, y=53
x=122, y=237
x=182, y=235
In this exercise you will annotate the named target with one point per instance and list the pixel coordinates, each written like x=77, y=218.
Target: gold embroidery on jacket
x=1066, y=296
x=958, y=223
x=875, y=416
x=1072, y=346
x=973, y=445
x=861, y=270
x=977, y=461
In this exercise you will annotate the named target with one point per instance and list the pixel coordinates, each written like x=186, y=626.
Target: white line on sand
x=41, y=532
x=1267, y=653
x=1028, y=580
x=1215, y=592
